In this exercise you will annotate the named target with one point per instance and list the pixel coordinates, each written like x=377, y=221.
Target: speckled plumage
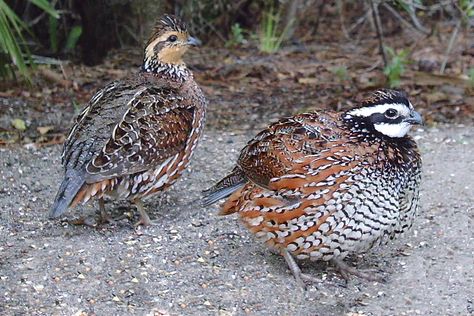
x=136, y=135
x=322, y=185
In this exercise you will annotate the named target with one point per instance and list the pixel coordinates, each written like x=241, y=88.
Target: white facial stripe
x=393, y=130
x=380, y=108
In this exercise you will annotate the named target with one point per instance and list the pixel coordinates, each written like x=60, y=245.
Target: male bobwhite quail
x=322, y=185
x=136, y=135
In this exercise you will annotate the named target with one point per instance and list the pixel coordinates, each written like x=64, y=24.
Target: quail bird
x=325, y=184
x=136, y=136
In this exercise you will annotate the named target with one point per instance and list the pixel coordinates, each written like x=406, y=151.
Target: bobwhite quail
x=136, y=136
x=323, y=185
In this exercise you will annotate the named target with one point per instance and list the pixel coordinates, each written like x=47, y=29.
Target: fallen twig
x=55, y=77
x=360, y=20
x=416, y=24
x=415, y=20
x=340, y=8
x=378, y=29
x=450, y=46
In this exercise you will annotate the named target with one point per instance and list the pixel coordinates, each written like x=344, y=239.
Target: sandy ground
x=193, y=262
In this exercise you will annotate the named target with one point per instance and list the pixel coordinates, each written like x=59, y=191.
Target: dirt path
x=195, y=263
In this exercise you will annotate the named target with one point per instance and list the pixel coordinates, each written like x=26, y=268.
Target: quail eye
x=391, y=113
x=172, y=38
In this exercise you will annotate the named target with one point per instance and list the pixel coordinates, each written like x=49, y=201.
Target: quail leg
x=104, y=217
x=93, y=221
x=346, y=270
x=144, y=218
x=296, y=270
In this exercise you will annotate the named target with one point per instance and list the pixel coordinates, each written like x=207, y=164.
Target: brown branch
x=340, y=9
x=321, y=6
x=417, y=25
x=378, y=28
x=450, y=46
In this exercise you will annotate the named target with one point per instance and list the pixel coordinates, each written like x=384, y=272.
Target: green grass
x=71, y=40
x=73, y=37
x=270, y=36
x=12, y=44
x=470, y=75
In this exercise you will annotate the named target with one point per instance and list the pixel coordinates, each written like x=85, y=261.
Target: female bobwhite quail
x=322, y=185
x=136, y=135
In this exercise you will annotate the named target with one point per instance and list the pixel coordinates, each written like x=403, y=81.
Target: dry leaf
x=308, y=80
x=44, y=129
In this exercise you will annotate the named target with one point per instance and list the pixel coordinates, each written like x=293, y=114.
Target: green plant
x=53, y=34
x=341, y=73
x=237, y=36
x=269, y=35
x=71, y=40
x=73, y=37
x=467, y=7
x=470, y=75
x=396, y=66
x=12, y=43
x=407, y=5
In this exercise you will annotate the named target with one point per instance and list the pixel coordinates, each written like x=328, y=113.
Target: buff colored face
x=169, y=47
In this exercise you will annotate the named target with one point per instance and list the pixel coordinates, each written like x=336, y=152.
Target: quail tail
x=224, y=188
x=72, y=183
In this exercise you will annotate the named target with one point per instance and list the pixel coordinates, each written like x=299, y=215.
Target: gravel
x=192, y=262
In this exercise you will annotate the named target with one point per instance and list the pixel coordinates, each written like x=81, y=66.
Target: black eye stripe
x=381, y=118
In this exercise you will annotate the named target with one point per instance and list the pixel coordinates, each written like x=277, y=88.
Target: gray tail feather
x=72, y=183
x=224, y=188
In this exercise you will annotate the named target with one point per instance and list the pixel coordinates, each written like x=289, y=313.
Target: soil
x=193, y=262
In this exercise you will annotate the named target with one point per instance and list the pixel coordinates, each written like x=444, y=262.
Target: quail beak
x=414, y=118
x=192, y=41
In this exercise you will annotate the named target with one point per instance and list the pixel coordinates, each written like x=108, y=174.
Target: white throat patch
x=393, y=130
